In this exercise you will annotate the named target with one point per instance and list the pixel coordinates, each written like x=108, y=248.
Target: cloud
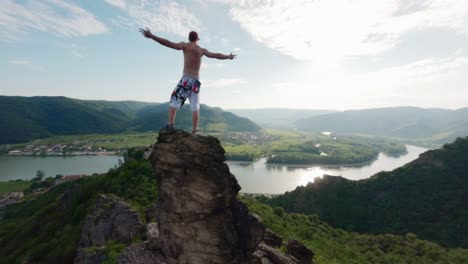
x=224, y=42
x=430, y=82
x=76, y=54
x=26, y=64
x=159, y=16
x=337, y=29
x=21, y=62
x=117, y=3
x=425, y=71
x=54, y=16
x=75, y=50
x=205, y=65
x=222, y=82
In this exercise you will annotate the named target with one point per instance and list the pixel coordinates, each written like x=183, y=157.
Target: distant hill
x=27, y=118
x=278, y=117
x=212, y=119
x=437, y=125
x=427, y=197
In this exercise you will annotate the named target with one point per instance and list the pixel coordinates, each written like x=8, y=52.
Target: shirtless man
x=189, y=85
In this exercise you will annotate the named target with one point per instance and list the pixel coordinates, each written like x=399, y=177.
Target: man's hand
x=147, y=33
x=232, y=56
x=177, y=46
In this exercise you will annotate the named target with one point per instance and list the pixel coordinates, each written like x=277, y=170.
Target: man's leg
x=195, y=115
x=172, y=115
x=195, y=107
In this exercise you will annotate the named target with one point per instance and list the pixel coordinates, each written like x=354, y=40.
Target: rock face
x=199, y=219
x=112, y=219
x=10, y=198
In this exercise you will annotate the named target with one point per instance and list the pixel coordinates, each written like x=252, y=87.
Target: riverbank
x=26, y=167
x=97, y=153
x=293, y=165
x=325, y=165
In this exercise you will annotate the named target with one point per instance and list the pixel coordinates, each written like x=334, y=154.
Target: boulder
x=299, y=251
x=111, y=219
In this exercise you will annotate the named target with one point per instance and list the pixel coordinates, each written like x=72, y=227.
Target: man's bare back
x=192, y=61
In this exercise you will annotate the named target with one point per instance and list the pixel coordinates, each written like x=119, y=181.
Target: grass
x=107, y=141
x=13, y=186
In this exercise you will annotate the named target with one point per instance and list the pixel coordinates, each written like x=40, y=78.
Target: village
x=41, y=187
x=75, y=149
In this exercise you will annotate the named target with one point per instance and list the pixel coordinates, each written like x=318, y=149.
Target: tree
x=40, y=175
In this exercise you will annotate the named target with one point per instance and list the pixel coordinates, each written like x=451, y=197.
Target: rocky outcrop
x=112, y=219
x=199, y=220
x=10, y=198
x=299, y=251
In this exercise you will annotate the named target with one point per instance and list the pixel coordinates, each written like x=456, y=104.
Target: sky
x=316, y=54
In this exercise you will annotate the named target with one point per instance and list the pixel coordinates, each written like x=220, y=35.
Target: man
x=189, y=85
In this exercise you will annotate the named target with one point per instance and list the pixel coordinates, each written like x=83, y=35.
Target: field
x=300, y=147
x=91, y=142
x=13, y=186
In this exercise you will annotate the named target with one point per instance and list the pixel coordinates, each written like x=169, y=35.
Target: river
x=25, y=167
x=254, y=177
x=260, y=177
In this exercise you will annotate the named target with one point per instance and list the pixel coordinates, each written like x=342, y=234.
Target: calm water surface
x=254, y=177
x=16, y=167
x=259, y=177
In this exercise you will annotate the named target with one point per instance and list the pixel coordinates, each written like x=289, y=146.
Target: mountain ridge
x=27, y=118
x=434, y=124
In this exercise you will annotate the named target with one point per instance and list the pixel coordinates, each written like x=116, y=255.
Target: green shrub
x=278, y=211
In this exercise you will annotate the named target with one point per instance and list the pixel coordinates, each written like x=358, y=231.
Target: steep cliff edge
x=199, y=220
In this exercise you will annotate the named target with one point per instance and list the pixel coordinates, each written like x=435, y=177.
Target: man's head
x=193, y=36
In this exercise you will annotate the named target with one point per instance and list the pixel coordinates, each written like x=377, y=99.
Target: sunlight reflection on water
x=259, y=177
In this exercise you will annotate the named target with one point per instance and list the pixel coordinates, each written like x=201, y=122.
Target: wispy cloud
x=430, y=82
x=75, y=50
x=160, y=16
x=117, y=3
x=77, y=54
x=222, y=82
x=205, y=65
x=26, y=64
x=417, y=73
x=21, y=62
x=336, y=29
x=17, y=19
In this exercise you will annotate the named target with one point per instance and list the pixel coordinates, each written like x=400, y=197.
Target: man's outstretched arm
x=218, y=56
x=147, y=33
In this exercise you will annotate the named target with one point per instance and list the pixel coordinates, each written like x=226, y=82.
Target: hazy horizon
x=262, y=108
x=333, y=55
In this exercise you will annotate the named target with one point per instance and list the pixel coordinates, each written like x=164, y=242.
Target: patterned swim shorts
x=186, y=88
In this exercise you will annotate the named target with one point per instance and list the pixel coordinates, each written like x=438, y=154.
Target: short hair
x=193, y=36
